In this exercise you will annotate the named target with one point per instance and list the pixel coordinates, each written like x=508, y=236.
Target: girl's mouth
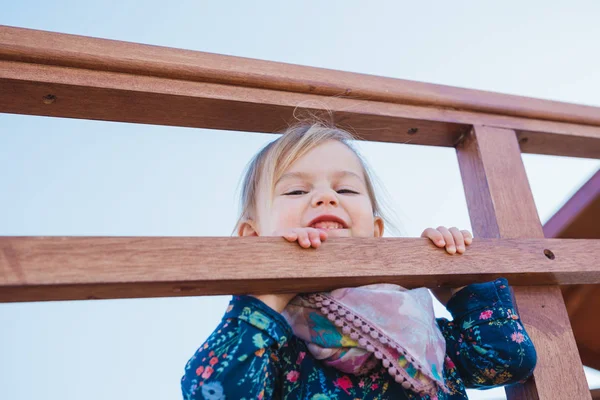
x=327, y=225
x=328, y=222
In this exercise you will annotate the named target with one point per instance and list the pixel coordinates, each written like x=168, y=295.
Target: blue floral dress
x=253, y=354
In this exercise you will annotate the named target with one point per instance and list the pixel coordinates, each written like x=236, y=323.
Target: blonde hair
x=269, y=164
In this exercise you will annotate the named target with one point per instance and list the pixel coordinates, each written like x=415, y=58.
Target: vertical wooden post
x=501, y=206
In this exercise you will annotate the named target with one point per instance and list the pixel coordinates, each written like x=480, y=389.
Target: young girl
x=372, y=342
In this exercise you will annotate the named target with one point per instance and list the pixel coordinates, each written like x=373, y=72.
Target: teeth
x=327, y=225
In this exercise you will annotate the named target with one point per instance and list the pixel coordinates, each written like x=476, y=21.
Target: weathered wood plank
x=80, y=93
x=60, y=49
x=59, y=268
x=501, y=206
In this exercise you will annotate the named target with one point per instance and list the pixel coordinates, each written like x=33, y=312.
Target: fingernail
x=461, y=248
x=441, y=242
x=452, y=249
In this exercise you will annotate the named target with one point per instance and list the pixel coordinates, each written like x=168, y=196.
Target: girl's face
x=325, y=189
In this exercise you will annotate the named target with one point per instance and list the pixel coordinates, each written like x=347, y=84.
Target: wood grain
x=111, y=96
x=579, y=218
x=61, y=268
x=501, y=206
x=40, y=47
x=117, y=81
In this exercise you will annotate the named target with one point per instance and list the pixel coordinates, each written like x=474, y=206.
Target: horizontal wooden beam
x=63, y=268
x=35, y=89
x=50, y=48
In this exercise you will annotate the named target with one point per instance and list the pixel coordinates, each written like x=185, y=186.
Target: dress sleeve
x=486, y=342
x=239, y=359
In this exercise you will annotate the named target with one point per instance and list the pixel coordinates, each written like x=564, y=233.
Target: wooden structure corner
x=60, y=75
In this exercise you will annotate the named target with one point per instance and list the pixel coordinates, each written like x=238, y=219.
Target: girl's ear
x=378, y=227
x=247, y=228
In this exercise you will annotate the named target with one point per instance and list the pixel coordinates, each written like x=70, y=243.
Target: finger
x=303, y=239
x=435, y=236
x=322, y=234
x=290, y=236
x=459, y=241
x=468, y=237
x=450, y=247
x=314, y=237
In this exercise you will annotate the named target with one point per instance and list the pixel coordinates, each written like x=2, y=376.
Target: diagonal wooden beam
x=589, y=357
x=579, y=216
x=62, y=268
x=54, y=74
x=35, y=89
x=501, y=206
x=50, y=48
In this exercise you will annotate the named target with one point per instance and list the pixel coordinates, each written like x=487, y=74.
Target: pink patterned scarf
x=356, y=329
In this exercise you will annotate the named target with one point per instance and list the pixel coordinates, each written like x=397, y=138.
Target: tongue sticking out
x=328, y=225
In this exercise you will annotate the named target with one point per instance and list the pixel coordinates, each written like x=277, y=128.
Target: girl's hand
x=306, y=237
x=453, y=239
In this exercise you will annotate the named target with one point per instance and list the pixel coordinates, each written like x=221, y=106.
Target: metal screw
x=49, y=99
x=549, y=254
x=523, y=140
x=412, y=131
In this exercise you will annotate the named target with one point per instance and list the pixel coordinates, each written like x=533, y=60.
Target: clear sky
x=72, y=177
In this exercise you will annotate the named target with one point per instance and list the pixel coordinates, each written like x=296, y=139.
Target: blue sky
x=73, y=177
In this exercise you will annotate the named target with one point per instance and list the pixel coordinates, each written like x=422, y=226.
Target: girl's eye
x=295, y=193
x=347, y=191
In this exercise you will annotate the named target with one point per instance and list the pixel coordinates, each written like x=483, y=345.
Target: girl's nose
x=326, y=197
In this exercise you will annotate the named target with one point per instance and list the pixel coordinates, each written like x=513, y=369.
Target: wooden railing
x=53, y=74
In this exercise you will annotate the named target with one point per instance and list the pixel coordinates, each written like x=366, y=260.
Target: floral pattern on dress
x=253, y=354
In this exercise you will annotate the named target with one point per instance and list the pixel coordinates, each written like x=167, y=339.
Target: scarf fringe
x=374, y=341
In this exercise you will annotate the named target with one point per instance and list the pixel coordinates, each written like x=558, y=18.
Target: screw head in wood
x=49, y=99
